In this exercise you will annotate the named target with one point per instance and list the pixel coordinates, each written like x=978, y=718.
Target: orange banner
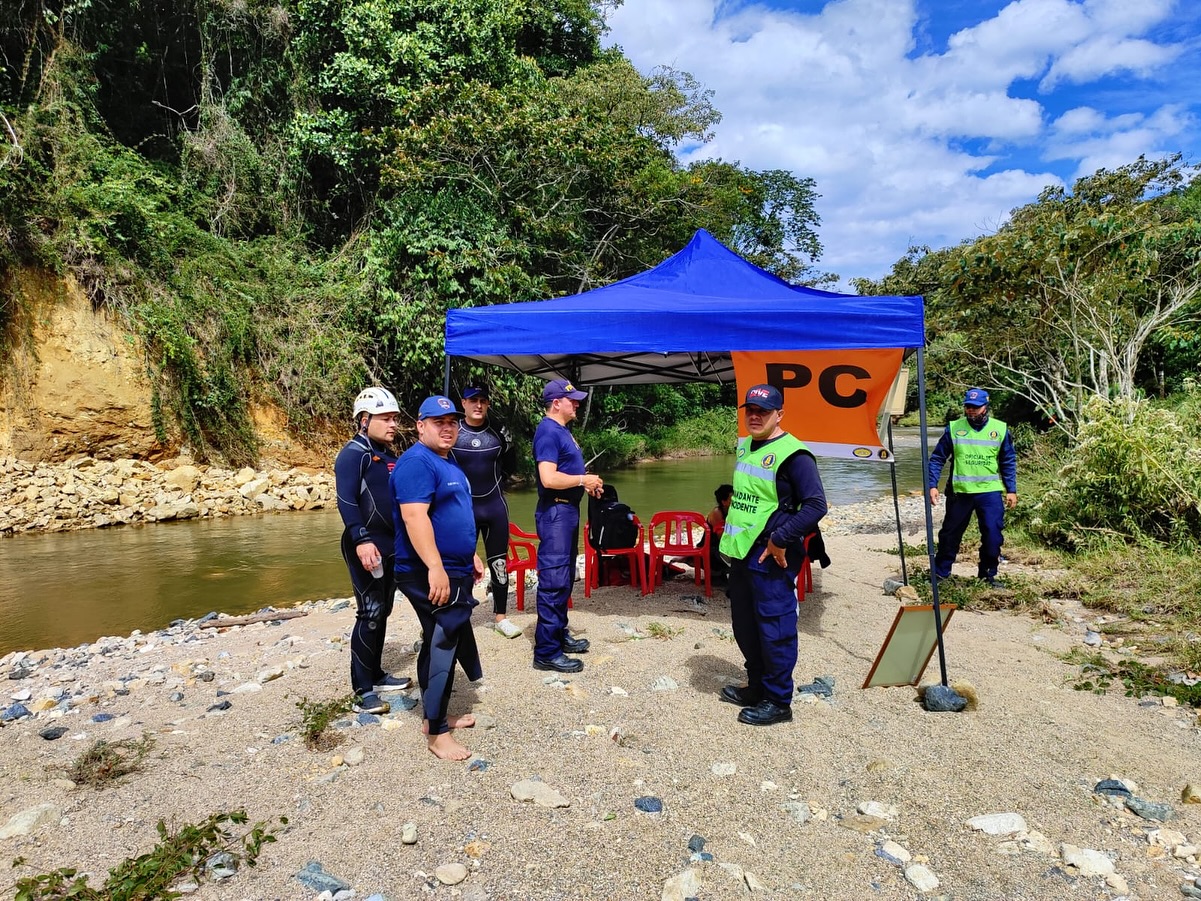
x=832, y=398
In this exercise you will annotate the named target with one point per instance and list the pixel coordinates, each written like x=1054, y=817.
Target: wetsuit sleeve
x=938, y=459
x=508, y=454
x=1007, y=464
x=348, y=479
x=799, y=487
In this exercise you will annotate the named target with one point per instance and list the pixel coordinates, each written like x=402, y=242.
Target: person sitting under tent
x=716, y=520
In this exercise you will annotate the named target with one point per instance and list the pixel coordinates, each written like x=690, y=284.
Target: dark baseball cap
x=561, y=388
x=767, y=397
x=475, y=391
x=437, y=406
x=975, y=397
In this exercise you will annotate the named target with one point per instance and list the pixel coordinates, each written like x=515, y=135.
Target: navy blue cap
x=437, y=406
x=767, y=397
x=474, y=391
x=561, y=388
x=975, y=397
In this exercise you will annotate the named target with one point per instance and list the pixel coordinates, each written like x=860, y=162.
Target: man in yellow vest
x=984, y=481
x=778, y=500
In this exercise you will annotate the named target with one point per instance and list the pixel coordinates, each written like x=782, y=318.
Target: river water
x=68, y=588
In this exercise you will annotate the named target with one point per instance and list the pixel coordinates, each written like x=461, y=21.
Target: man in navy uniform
x=436, y=566
x=361, y=473
x=984, y=481
x=778, y=500
x=562, y=483
x=483, y=451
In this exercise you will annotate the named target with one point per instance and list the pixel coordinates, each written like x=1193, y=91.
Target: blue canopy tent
x=679, y=321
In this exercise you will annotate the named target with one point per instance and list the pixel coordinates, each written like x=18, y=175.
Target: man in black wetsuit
x=485, y=453
x=361, y=473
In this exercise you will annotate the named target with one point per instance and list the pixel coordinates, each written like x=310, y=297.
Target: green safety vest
x=755, y=498
x=975, y=456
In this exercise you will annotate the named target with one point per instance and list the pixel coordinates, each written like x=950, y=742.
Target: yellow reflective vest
x=755, y=498
x=976, y=454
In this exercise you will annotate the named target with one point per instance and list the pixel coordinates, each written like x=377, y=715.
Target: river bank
x=863, y=794
x=86, y=493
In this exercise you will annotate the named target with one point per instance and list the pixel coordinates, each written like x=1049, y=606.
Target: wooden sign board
x=910, y=644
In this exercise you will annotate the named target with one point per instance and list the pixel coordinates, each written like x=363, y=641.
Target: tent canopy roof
x=678, y=322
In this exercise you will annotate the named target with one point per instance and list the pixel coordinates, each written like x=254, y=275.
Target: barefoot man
x=436, y=565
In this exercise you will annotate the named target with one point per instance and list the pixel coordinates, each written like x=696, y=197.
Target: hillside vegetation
x=284, y=198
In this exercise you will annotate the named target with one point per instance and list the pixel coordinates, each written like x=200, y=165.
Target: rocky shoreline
x=86, y=493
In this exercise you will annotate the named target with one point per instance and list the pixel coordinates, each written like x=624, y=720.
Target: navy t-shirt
x=422, y=477
x=554, y=443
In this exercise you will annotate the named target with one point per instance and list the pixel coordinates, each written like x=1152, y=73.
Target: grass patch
x=183, y=852
x=1135, y=679
x=662, y=632
x=107, y=761
x=317, y=718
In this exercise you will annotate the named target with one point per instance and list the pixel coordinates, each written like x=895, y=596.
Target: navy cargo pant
x=373, y=599
x=763, y=615
x=446, y=639
x=558, y=527
x=989, y=507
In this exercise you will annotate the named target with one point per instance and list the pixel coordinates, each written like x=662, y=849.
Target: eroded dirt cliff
x=75, y=382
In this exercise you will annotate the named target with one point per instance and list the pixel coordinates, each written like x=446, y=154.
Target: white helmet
x=375, y=400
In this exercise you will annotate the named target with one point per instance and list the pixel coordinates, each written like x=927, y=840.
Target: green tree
x=1063, y=301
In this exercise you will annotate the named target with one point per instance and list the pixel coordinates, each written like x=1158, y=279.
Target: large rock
x=29, y=819
x=185, y=478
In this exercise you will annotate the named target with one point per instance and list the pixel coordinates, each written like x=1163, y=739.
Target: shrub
x=152, y=875
x=316, y=718
x=1135, y=472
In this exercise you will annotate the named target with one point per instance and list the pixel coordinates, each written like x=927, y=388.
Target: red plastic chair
x=673, y=533
x=522, y=557
x=804, y=579
x=635, y=554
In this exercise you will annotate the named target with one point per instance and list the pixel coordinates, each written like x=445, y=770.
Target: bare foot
x=466, y=721
x=444, y=747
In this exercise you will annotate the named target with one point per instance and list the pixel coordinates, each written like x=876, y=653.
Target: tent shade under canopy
x=678, y=322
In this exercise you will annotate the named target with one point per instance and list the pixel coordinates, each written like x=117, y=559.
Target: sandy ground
x=1034, y=746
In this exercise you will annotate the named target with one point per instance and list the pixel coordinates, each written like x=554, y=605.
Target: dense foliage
x=284, y=198
x=1134, y=473
x=1094, y=292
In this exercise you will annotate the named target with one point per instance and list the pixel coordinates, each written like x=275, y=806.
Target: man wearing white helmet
x=361, y=473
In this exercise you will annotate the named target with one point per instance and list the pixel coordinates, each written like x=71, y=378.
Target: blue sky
x=927, y=121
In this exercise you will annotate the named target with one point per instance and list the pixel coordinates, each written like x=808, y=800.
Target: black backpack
x=610, y=522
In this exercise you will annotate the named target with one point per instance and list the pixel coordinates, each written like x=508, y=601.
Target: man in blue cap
x=562, y=483
x=778, y=500
x=436, y=566
x=983, y=480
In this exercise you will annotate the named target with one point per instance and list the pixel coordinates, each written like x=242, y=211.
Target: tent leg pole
x=896, y=502
x=921, y=395
x=446, y=375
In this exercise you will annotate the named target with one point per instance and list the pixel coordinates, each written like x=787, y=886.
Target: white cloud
x=1105, y=56
x=1096, y=140
x=910, y=147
